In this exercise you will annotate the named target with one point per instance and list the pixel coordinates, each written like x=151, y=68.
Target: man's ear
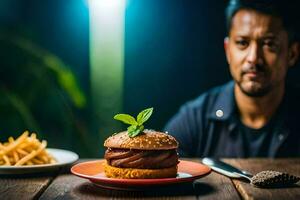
x=293, y=53
x=226, y=43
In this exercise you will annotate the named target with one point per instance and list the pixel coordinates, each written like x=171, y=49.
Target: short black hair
x=286, y=10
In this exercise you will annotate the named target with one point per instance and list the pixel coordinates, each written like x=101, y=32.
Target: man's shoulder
x=208, y=99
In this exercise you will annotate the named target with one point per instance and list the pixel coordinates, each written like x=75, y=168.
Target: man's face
x=258, y=52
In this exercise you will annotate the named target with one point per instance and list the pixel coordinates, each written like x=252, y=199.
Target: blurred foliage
x=40, y=93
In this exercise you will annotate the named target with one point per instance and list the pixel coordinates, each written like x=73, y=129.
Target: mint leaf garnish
x=136, y=125
x=144, y=116
x=127, y=119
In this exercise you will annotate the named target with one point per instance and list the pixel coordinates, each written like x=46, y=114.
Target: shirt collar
x=224, y=105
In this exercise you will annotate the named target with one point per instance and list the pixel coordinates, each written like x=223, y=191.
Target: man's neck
x=255, y=112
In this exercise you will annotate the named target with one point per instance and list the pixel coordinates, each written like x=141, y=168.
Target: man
x=255, y=115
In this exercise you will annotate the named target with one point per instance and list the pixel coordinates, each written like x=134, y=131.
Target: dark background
x=173, y=50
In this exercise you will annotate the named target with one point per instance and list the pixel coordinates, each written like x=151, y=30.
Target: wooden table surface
x=63, y=185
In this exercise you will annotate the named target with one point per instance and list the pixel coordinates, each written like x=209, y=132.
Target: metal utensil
x=262, y=179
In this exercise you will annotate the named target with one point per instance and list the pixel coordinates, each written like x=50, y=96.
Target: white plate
x=63, y=158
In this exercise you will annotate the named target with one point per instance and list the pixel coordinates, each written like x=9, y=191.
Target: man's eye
x=271, y=45
x=241, y=43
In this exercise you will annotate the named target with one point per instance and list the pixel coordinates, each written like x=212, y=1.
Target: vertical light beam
x=107, y=22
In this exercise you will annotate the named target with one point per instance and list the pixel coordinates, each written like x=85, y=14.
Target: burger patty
x=141, y=159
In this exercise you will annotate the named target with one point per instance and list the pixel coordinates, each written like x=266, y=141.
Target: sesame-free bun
x=131, y=173
x=147, y=140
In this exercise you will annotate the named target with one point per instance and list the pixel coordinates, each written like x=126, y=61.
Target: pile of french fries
x=24, y=150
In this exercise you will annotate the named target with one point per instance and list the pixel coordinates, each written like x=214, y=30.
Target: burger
x=150, y=154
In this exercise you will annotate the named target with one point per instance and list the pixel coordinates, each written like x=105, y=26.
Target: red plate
x=93, y=170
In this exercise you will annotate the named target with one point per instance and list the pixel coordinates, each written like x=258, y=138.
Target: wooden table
x=63, y=185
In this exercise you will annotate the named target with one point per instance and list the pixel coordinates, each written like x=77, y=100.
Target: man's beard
x=257, y=89
x=255, y=92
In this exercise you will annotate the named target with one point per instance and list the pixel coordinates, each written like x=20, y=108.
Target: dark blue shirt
x=210, y=126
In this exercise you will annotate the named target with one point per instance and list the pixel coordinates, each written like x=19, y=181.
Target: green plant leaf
x=134, y=130
x=141, y=128
x=144, y=116
x=22, y=109
x=65, y=77
x=127, y=119
x=136, y=125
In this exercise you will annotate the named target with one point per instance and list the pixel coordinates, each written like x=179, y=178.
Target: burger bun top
x=147, y=140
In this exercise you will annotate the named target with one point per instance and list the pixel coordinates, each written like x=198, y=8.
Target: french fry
x=24, y=150
x=32, y=154
x=25, y=145
x=29, y=163
x=33, y=135
x=37, y=161
x=16, y=156
x=14, y=144
x=44, y=158
x=11, y=140
x=7, y=162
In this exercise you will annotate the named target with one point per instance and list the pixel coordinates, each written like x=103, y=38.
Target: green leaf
x=134, y=130
x=136, y=125
x=23, y=109
x=141, y=128
x=144, y=116
x=65, y=77
x=134, y=133
x=127, y=119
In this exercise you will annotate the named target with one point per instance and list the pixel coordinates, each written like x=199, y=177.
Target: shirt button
x=280, y=137
x=219, y=113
